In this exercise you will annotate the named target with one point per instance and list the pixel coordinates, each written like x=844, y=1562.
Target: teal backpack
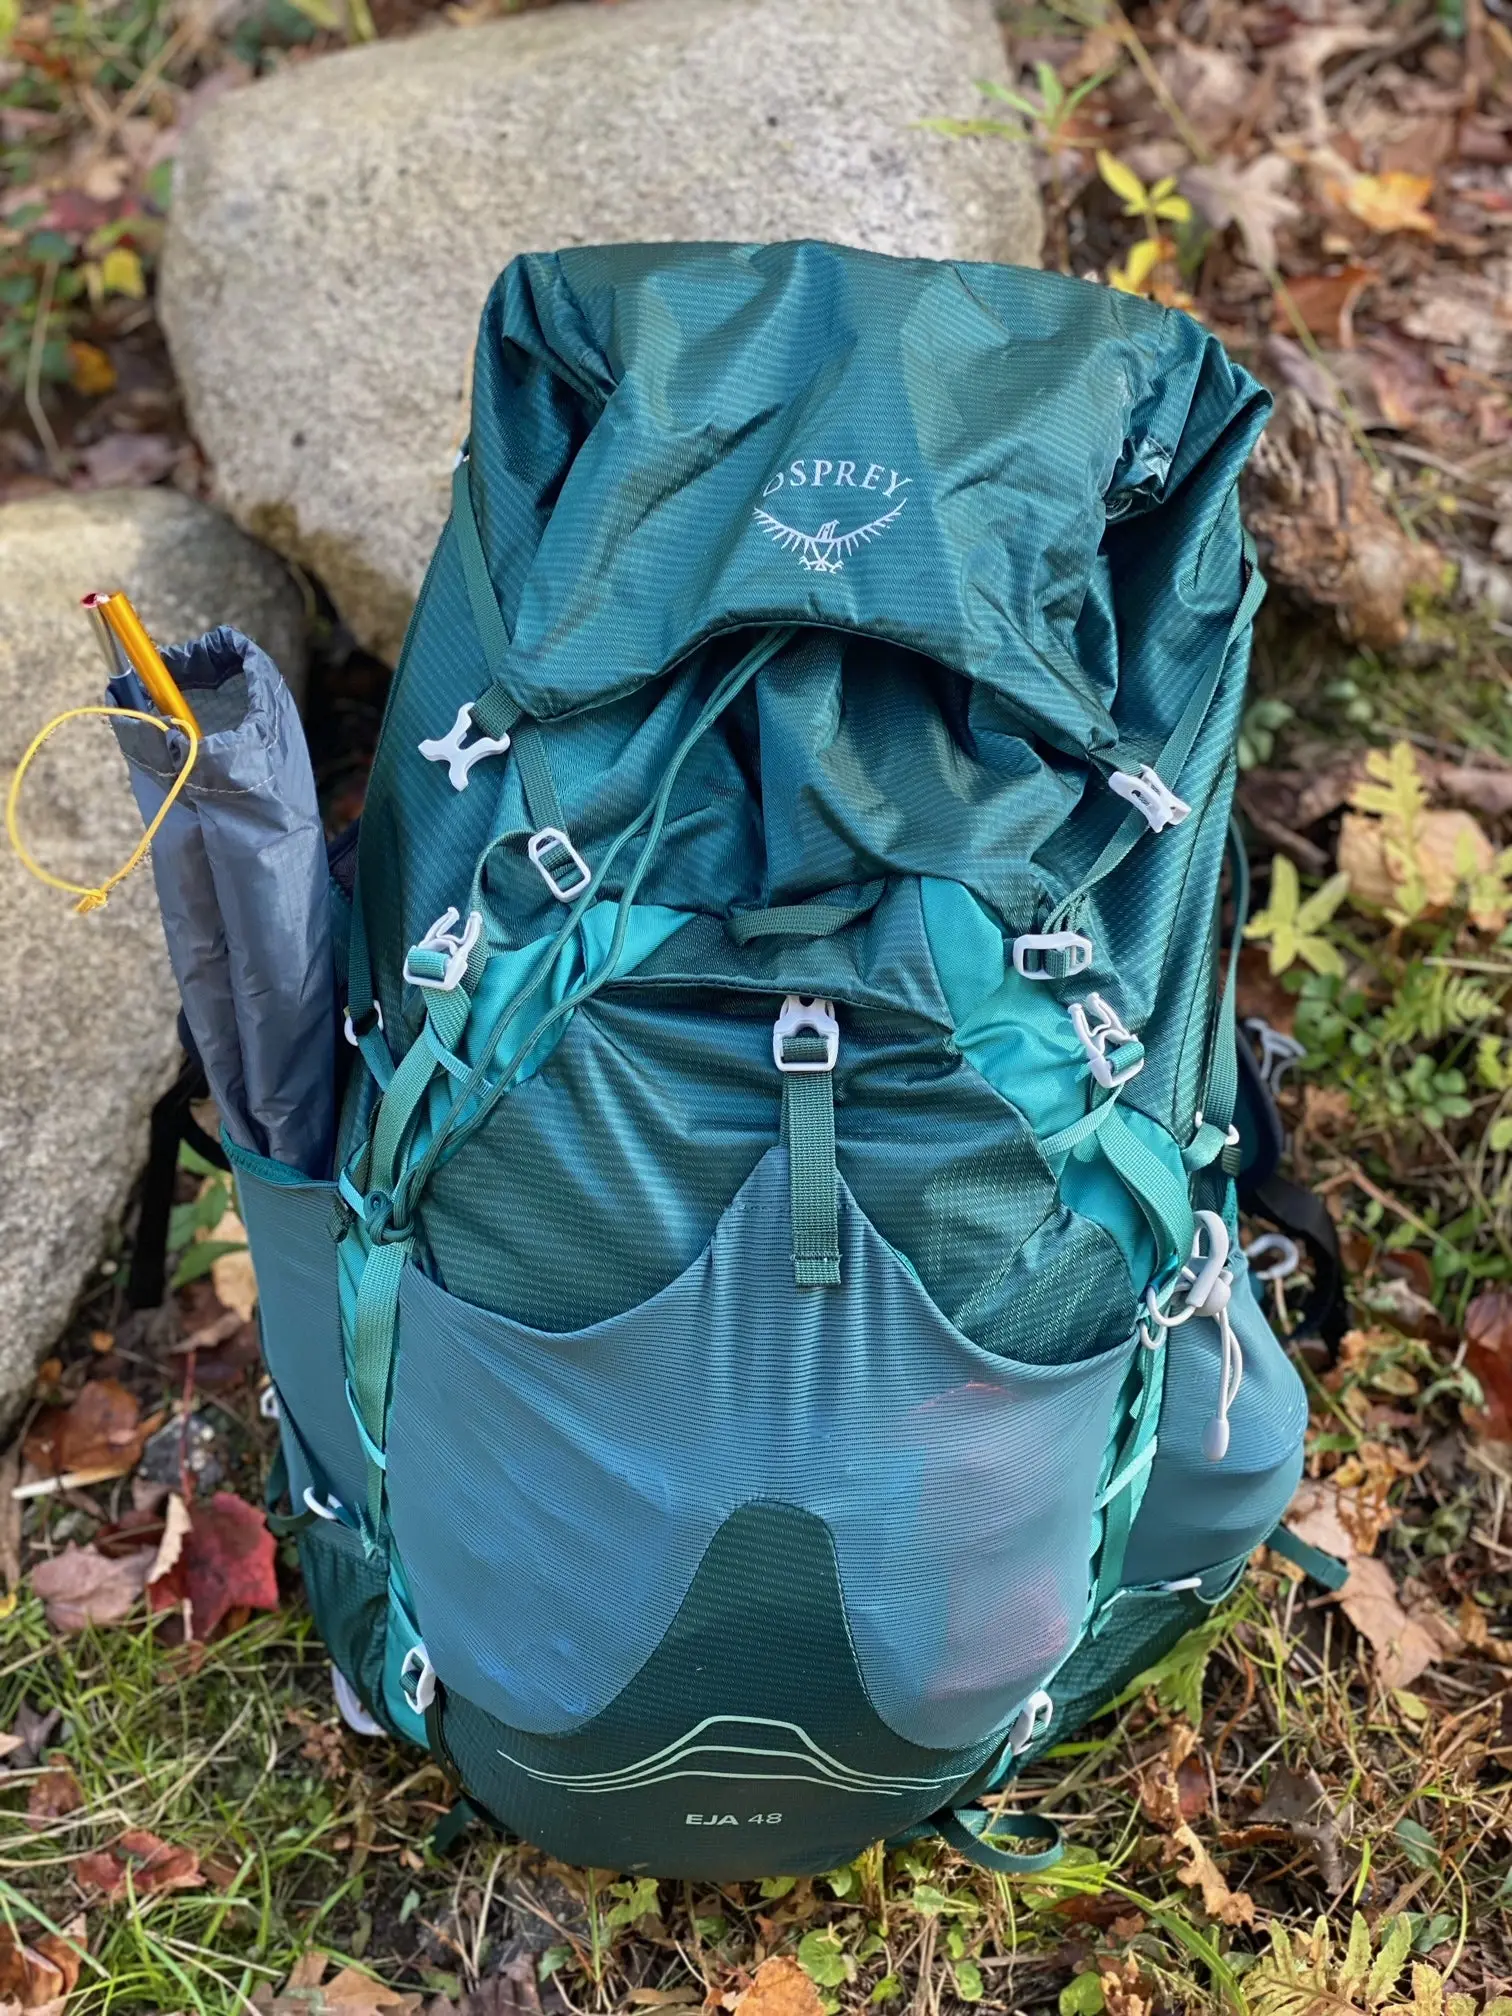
x=776, y=1355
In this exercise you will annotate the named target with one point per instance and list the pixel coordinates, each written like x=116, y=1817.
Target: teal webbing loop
x=1120, y=1500
x=799, y=920
x=282, y=1525
x=496, y=711
x=446, y=1011
x=808, y=1128
x=1323, y=1568
x=453, y=1131
x=373, y=1355
x=1178, y=746
x=1091, y=1122
x=362, y=1011
x=973, y=1832
x=1164, y=1201
x=1220, y=1089
x=1205, y=1147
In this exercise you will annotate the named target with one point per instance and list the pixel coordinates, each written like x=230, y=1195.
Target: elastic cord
x=96, y=898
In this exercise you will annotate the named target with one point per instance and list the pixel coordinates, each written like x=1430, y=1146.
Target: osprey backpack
x=775, y=1354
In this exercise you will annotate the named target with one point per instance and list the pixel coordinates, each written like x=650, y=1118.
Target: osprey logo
x=826, y=550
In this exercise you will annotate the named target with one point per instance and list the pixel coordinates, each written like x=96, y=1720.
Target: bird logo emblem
x=827, y=550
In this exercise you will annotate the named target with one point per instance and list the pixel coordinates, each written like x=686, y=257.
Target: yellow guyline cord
x=96, y=899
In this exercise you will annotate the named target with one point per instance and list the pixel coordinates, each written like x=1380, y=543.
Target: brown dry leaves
x=80, y=1586
x=1173, y=1790
x=780, y=1988
x=101, y=1434
x=39, y=1975
x=348, y=1993
x=1488, y=1354
x=142, y=1862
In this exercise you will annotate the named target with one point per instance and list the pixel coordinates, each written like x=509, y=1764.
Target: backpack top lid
x=673, y=441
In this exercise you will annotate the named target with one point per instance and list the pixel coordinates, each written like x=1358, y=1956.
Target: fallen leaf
x=1326, y=303
x=30, y=1735
x=152, y=1865
x=39, y=1976
x=1174, y=1788
x=1125, y=1991
x=90, y=370
x=780, y=1988
x=53, y=1796
x=1405, y=1644
x=121, y=273
x=1450, y=844
x=231, y=1275
x=226, y=1563
x=80, y=1587
x=1297, y=1801
x=1252, y=197
x=1385, y=203
x=1488, y=1355
x=1313, y=1516
x=102, y=1428
x=175, y=1530
x=1200, y=1872
x=349, y=1993
x=1467, y=312
x=127, y=461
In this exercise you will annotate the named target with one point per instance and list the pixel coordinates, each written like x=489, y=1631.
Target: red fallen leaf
x=1488, y=1354
x=101, y=1428
x=227, y=1562
x=152, y=1865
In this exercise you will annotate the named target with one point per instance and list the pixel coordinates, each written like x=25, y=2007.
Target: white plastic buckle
x=1033, y=1719
x=350, y=1033
x=1204, y=1284
x=267, y=1403
x=1278, y=1051
x=1078, y=949
x=331, y=1509
x=543, y=843
x=417, y=1663
x=1095, y=1038
x=442, y=938
x=1150, y=793
x=448, y=749
x=798, y=1015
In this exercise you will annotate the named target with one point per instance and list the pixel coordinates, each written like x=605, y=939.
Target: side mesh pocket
x=348, y=1594
x=289, y=1222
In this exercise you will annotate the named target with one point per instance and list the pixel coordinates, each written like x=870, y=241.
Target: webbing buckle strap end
x=456, y=752
x=1150, y=794
x=443, y=952
x=552, y=840
x=815, y=1016
x=1076, y=948
x=1095, y=1038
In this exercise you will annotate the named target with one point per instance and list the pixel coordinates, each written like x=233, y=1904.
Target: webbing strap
x=973, y=1832
x=1329, y=1573
x=370, y=1041
x=1123, y=1496
x=808, y=1128
x=496, y=711
x=798, y=920
x=1163, y=1200
x=1178, y=746
x=446, y=1014
x=1220, y=1088
x=372, y=1356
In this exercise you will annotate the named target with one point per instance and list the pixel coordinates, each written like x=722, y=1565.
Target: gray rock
x=336, y=228
x=87, y=1004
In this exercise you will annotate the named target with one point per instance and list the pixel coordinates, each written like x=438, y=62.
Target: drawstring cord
x=95, y=898
x=1208, y=1282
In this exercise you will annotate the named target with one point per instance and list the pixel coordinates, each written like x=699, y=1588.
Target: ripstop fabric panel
x=586, y=1475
